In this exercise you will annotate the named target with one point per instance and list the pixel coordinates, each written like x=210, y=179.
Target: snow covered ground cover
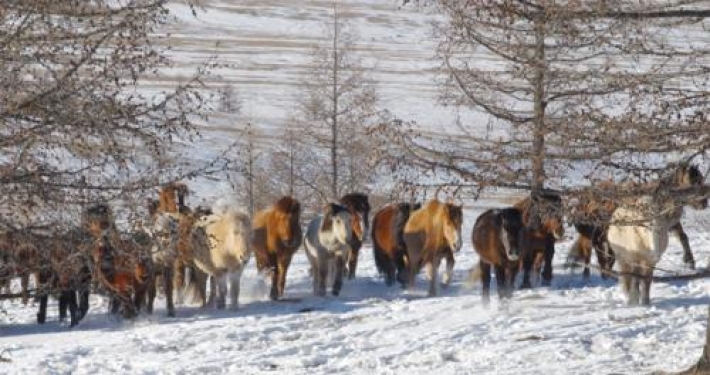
x=572, y=327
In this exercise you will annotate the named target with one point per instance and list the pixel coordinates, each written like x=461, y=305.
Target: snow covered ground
x=574, y=326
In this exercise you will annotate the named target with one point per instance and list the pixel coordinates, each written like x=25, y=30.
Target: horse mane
x=546, y=198
x=287, y=205
x=331, y=209
x=167, y=196
x=357, y=201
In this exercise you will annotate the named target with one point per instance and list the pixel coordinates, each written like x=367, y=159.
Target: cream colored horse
x=219, y=246
x=638, y=235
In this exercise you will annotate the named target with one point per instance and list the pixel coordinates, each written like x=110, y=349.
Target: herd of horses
x=182, y=249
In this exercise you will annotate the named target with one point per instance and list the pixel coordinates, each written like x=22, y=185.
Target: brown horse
x=276, y=236
x=357, y=203
x=591, y=219
x=543, y=224
x=121, y=266
x=429, y=235
x=388, y=247
x=592, y=216
x=497, y=238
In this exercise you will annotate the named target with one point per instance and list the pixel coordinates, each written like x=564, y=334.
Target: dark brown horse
x=543, y=224
x=497, y=238
x=388, y=247
x=591, y=219
x=356, y=203
x=276, y=236
x=431, y=233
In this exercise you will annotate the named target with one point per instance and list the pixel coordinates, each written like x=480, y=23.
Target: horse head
x=548, y=208
x=511, y=226
x=289, y=216
x=453, y=219
x=98, y=219
x=688, y=175
x=359, y=203
x=357, y=224
x=338, y=222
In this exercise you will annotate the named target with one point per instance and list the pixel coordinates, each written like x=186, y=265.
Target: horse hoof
x=526, y=285
x=546, y=282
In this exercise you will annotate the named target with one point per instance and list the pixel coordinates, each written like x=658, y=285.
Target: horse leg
x=353, y=255
x=273, y=263
x=321, y=271
x=24, y=285
x=449, y=273
x=63, y=305
x=42, y=279
x=625, y=281
x=549, y=254
x=528, y=261
x=645, y=291
x=83, y=292
x=282, y=268
x=501, y=282
x=433, y=271
x=178, y=280
x=153, y=290
x=234, y=279
x=167, y=288
x=415, y=260
x=511, y=272
x=338, y=282
x=585, y=250
x=683, y=238
x=221, y=281
x=485, y=280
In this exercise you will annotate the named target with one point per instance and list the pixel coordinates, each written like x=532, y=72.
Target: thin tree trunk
x=538, y=156
x=334, y=117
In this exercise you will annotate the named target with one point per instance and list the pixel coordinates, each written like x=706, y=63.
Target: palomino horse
x=431, y=233
x=327, y=243
x=121, y=266
x=359, y=206
x=542, y=225
x=276, y=236
x=388, y=247
x=638, y=234
x=496, y=237
x=593, y=217
x=219, y=246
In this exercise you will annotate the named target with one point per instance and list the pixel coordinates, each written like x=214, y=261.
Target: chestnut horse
x=388, y=247
x=123, y=267
x=543, y=224
x=497, y=238
x=357, y=203
x=638, y=233
x=431, y=233
x=276, y=236
x=327, y=242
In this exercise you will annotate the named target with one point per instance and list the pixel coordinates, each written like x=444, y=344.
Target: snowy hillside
x=574, y=326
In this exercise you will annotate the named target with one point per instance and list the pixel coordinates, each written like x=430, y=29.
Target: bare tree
x=76, y=122
x=338, y=105
x=565, y=92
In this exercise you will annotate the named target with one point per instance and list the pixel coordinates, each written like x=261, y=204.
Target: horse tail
x=574, y=253
x=191, y=287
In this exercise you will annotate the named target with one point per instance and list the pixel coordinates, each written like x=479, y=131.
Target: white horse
x=327, y=242
x=219, y=246
x=639, y=242
x=638, y=234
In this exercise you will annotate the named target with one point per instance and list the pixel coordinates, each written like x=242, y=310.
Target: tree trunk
x=334, y=117
x=538, y=156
